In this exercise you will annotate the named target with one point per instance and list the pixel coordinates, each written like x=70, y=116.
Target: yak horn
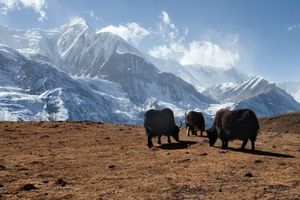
x=180, y=125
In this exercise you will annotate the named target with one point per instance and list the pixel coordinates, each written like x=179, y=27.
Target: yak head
x=176, y=131
x=212, y=136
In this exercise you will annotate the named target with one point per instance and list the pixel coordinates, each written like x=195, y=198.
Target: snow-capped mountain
x=96, y=61
x=74, y=48
x=35, y=91
x=219, y=91
x=272, y=102
x=292, y=87
x=230, y=92
x=201, y=77
x=84, y=52
x=107, y=56
x=75, y=73
x=256, y=93
x=79, y=51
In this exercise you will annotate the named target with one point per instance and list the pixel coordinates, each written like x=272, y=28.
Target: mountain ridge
x=85, y=75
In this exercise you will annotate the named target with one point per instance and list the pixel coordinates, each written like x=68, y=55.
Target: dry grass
x=65, y=160
x=282, y=123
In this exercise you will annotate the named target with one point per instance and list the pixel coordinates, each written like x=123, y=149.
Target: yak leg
x=158, y=139
x=194, y=132
x=224, y=139
x=188, y=131
x=224, y=144
x=252, y=144
x=201, y=133
x=244, y=144
x=150, y=144
x=169, y=139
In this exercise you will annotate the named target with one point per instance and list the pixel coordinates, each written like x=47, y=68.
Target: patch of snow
x=257, y=80
x=213, y=108
x=7, y=116
x=9, y=53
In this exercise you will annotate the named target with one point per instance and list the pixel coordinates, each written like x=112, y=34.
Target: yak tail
x=203, y=125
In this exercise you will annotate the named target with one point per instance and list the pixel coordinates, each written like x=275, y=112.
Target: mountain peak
x=256, y=81
x=110, y=36
x=257, y=78
x=77, y=22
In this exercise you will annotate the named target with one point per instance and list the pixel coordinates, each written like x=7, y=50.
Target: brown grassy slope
x=105, y=161
x=282, y=123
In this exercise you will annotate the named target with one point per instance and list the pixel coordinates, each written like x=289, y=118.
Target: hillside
x=289, y=122
x=66, y=160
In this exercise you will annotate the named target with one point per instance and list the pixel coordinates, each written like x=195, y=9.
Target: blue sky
x=260, y=37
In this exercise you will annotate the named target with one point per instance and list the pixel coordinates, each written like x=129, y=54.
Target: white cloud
x=192, y=53
x=296, y=26
x=165, y=17
x=38, y=6
x=197, y=53
x=207, y=53
x=94, y=16
x=130, y=32
x=161, y=52
x=167, y=28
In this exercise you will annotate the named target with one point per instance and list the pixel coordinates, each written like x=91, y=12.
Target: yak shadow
x=179, y=145
x=261, y=153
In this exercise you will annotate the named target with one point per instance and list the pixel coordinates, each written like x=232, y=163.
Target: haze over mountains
x=75, y=73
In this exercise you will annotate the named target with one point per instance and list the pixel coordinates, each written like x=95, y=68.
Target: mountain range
x=258, y=94
x=75, y=73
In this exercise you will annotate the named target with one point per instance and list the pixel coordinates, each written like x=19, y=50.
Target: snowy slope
x=230, y=92
x=201, y=77
x=35, y=91
x=272, y=102
x=210, y=76
x=141, y=80
x=293, y=88
x=256, y=93
x=218, y=91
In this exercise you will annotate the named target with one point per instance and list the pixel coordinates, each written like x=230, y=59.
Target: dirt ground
x=65, y=160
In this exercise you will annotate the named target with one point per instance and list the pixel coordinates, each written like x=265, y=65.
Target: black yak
x=241, y=124
x=194, y=122
x=160, y=122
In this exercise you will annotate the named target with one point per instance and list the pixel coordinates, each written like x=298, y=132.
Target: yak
x=160, y=122
x=241, y=124
x=194, y=122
